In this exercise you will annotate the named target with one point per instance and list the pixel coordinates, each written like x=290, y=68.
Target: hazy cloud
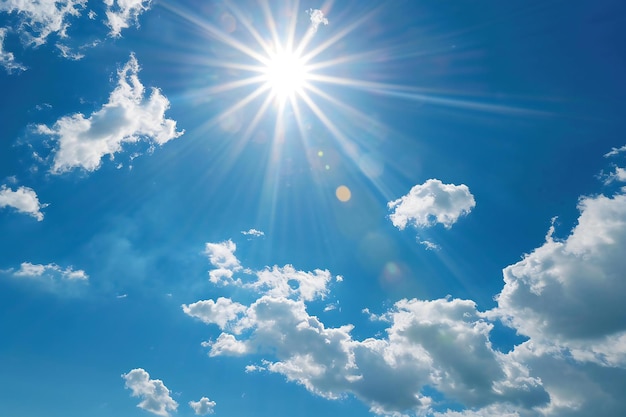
x=123, y=13
x=155, y=397
x=431, y=203
x=7, y=60
x=128, y=117
x=203, y=406
x=23, y=199
x=317, y=18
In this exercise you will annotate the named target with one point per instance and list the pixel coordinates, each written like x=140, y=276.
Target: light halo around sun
x=285, y=74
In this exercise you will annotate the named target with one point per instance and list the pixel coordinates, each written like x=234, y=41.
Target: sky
x=302, y=208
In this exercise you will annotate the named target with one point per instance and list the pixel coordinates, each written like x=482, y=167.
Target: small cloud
x=254, y=368
x=66, y=52
x=30, y=270
x=155, y=396
x=23, y=199
x=202, y=407
x=615, y=151
x=431, y=203
x=91, y=15
x=429, y=245
x=317, y=18
x=121, y=296
x=253, y=232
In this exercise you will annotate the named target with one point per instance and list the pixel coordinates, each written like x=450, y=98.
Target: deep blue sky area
x=300, y=208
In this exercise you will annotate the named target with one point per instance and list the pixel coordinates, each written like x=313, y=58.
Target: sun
x=285, y=74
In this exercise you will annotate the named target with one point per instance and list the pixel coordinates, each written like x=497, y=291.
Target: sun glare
x=285, y=74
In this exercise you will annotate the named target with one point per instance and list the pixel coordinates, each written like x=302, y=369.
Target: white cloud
x=40, y=18
x=431, y=203
x=202, y=407
x=155, y=397
x=569, y=294
x=7, y=59
x=618, y=175
x=222, y=255
x=122, y=13
x=221, y=312
x=127, y=117
x=53, y=271
x=252, y=232
x=66, y=52
x=317, y=18
x=24, y=200
x=615, y=151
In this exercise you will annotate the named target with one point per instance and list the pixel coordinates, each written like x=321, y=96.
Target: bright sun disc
x=286, y=74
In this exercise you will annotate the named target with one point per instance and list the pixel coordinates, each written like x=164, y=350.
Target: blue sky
x=304, y=208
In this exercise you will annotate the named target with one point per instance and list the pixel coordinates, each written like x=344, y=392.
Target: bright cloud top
x=40, y=18
x=155, y=397
x=24, y=200
x=7, y=59
x=203, y=406
x=122, y=13
x=128, y=117
x=431, y=203
x=317, y=18
x=426, y=346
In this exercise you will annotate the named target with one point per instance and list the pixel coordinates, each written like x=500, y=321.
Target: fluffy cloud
x=431, y=203
x=128, y=117
x=7, y=60
x=23, y=199
x=221, y=312
x=122, y=13
x=442, y=345
x=30, y=270
x=40, y=18
x=317, y=18
x=568, y=294
x=155, y=397
x=202, y=407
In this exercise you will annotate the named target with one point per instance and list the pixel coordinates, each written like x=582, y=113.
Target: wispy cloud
x=317, y=18
x=203, y=406
x=23, y=199
x=128, y=117
x=121, y=14
x=41, y=18
x=7, y=59
x=252, y=232
x=30, y=270
x=431, y=203
x=615, y=151
x=155, y=396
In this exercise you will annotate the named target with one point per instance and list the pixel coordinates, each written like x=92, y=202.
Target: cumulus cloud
x=317, y=18
x=7, y=59
x=40, y=18
x=128, y=117
x=23, y=199
x=565, y=297
x=121, y=14
x=619, y=174
x=431, y=203
x=442, y=345
x=568, y=294
x=203, y=406
x=155, y=397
